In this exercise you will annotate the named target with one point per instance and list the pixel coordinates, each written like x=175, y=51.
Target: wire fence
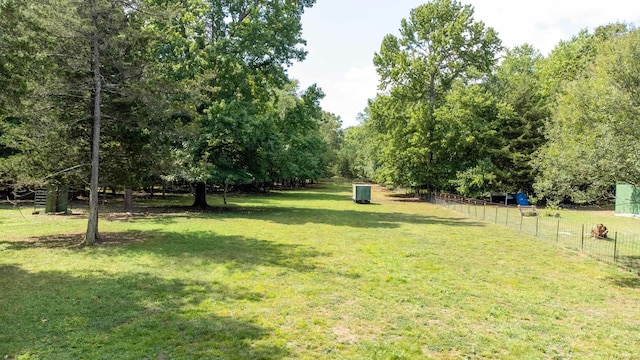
x=617, y=247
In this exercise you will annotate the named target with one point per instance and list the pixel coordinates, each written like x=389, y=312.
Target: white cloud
x=341, y=46
x=547, y=22
x=347, y=96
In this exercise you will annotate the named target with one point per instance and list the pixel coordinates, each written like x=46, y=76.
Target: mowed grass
x=304, y=274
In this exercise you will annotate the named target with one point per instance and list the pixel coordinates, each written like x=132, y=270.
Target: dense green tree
x=516, y=85
x=593, y=135
x=330, y=130
x=18, y=52
x=440, y=44
x=21, y=58
x=229, y=55
x=92, y=85
x=570, y=60
x=135, y=131
x=474, y=155
x=357, y=157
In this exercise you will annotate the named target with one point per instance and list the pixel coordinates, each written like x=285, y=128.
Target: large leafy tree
x=331, y=133
x=229, y=55
x=570, y=60
x=593, y=135
x=440, y=44
x=21, y=60
x=516, y=85
x=476, y=156
x=18, y=52
x=135, y=131
x=490, y=129
x=358, y=154
x=93, y=77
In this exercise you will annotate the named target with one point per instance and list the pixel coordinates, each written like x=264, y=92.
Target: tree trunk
x=224, y=194
x=92, y=225
x=432, y=90
x=128, y=200
x=201, y=196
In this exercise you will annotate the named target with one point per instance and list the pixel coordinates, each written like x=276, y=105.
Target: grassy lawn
x=304, y=274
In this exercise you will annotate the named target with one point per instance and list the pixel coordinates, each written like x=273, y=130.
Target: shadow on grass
x=302, y=216
x=404, y=197
x=626, y=281
x=309, y=195
x=71, y=241
x=630, y=262
x=236, y=252
x=360, y=219
x=53, y=315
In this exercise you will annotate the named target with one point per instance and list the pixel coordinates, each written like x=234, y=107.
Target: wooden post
x=506, y=221
x=521, y=221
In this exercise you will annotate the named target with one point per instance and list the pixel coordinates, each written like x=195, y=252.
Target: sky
x=343, y=35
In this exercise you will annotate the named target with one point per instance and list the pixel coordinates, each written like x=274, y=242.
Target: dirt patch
x=160, y=211
x=344, y=335
x=50, y=241
x=390, y=195
x=75, y=241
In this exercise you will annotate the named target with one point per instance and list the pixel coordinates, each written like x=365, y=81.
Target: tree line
x=459, y=112
x=130, y=93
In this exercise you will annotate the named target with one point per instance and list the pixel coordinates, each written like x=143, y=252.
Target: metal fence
x=618, y=247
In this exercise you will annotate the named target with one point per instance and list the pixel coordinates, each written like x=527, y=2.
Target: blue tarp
x=521, y=198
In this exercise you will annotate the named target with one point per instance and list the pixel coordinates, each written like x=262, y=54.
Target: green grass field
x=304, y=274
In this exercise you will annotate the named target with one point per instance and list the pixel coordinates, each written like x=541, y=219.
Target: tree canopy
x=197, y=92
x=592, y=137
x=440, y=45
x=451, y=117
x=149, y=90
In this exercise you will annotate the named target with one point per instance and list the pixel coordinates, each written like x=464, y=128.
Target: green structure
x=57, y=199
x=362, y=193
x=627, y=199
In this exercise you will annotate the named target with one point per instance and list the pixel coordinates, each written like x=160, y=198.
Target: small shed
x=627, y=199
x=54, y=199
x=362, y=193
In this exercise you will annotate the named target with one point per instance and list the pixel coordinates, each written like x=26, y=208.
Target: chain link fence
x=617, y=247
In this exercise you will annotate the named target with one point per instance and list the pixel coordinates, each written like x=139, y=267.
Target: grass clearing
x=305, y=274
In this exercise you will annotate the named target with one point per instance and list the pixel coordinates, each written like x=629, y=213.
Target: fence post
x=496, y=214
x=521, y=221
x=558, y=231
x=537, y=225
x=506, y=222
x=582, y=238
x=484, y=210
x=475, y=207
x=615, y=247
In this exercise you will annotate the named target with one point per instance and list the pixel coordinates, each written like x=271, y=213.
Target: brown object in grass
x=599, y=231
